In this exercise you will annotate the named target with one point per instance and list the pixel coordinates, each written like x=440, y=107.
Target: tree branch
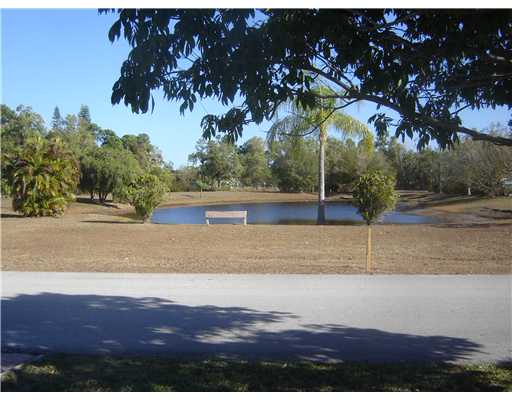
x=352, y=93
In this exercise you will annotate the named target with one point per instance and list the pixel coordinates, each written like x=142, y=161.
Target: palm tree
x=318, y=119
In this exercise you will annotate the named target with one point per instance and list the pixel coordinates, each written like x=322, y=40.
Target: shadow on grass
x=445, y=200
x=86, y=200
x=112, y=222
x=477, y=225
x=11, y=215
x=106, y=373
x=94, y=324
x=413, y=202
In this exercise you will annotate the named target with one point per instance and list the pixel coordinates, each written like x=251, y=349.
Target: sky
x=63, y=58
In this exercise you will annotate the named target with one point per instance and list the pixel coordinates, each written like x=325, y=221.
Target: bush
x=374, y=193
x=44, y=177
x=146, y=194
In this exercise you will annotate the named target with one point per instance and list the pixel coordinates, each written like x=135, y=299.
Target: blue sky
x=63, y=58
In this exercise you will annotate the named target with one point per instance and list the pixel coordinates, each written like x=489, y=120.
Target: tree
x=165, y=174
x=84, y=115
x=218, y=161
x=374, y=193
x=414, y=170
x=342, y=160
x=293, y=162
x=89, y=175
x=20, y=124
x=186, y=178
x=57, y=121
x=202, y=185
x=346, y=161
x=108, y=137
x=108, y=171
x=44, y=177
x=16, y=126
x=79, y=135
x=145, y=195
x=478, y=167
x=426, y=65
x=256, y=172
x=318, y=119
x=140, y=145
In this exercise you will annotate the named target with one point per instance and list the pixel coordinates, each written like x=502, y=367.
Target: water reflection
x=281, y=214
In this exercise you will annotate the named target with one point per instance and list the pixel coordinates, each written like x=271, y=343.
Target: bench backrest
x=225, y=214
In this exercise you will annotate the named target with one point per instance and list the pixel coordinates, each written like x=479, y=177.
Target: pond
x=337, y=213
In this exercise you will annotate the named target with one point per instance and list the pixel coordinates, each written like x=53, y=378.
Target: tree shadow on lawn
x=106, y=203
x=112, y=222
x=95, y=324
x=476, y=225
x=11, y=215
x=61, y=372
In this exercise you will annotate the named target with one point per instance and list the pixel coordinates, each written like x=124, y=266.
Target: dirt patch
x=91, y=237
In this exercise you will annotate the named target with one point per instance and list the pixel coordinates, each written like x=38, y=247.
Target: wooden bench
x=225, y=214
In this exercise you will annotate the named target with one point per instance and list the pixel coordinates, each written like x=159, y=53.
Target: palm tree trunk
x=321, y=178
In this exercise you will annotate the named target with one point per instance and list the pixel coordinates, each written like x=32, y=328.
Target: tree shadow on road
x=94, y=324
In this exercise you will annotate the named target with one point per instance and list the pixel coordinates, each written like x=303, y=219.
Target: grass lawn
x=103, y=238
x=104, y=373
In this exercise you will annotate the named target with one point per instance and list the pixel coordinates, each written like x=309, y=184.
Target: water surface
x=280, y=214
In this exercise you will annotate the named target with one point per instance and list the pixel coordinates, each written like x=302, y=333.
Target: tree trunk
x=469, y=190
x=321, y=177
x=440, y=178
x=369, y=250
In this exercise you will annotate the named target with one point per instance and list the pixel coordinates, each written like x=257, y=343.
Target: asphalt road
x=461, y=319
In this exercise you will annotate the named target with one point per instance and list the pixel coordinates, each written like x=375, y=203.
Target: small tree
x=374, y=193
x=146, y=194
x=202, y=185
x=44, y=177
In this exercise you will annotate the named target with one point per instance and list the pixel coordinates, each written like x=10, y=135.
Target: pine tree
x=84, y=115
x=57, y=122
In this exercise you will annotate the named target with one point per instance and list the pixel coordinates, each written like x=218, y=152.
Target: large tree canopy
x=426, y=65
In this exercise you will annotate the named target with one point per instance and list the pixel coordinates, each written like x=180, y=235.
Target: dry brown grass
x=91, y=237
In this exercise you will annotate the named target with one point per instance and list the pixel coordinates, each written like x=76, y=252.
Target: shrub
x=373, y=194
x=44, y=177
x=145, y=194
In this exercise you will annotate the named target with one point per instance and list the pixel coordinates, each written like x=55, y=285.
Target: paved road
x=318, y=317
